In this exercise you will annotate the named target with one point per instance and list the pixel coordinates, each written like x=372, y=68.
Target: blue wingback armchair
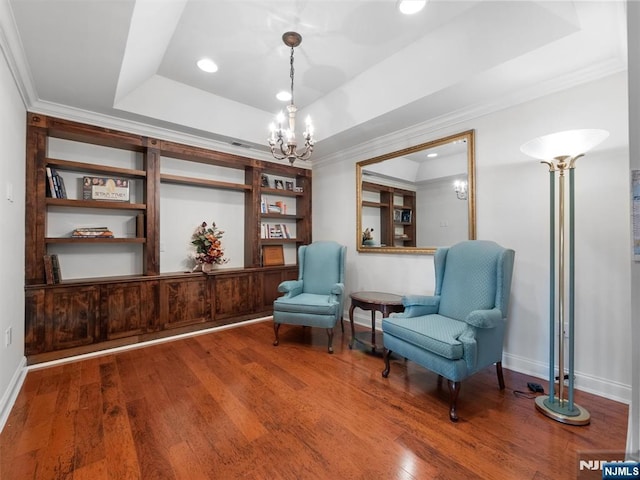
x=460, y=329
x=316, y=299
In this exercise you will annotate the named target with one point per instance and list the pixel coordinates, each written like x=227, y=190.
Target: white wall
x=12, y=155
x=633, y=32
x=512, y=209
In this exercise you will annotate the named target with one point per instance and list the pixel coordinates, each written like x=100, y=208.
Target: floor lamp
x=560, y=151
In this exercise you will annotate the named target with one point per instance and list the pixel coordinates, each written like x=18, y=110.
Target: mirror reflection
x=417, y=199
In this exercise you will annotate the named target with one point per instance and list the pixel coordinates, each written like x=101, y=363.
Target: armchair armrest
x=338, y=289
x=417, y=305
x=290, y=288
x=485, y=318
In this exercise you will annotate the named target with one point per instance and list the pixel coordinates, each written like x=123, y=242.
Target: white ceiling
x=362, y=70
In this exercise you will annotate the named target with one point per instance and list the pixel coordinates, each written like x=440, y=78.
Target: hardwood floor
x=229, y=405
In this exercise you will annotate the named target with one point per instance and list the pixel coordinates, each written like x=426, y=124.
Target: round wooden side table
x=384, y=303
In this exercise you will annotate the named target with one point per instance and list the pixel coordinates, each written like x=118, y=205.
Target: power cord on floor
x=534, y=388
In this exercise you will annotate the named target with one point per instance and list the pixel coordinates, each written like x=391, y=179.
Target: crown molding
x=148, y=130
x=11, y=47
x=445, y=124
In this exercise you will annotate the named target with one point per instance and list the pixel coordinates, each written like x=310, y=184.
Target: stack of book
x=278, y=230
x=56, y=184
x=92, y=232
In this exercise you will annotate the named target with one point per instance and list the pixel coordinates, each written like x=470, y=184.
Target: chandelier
x=283, y=138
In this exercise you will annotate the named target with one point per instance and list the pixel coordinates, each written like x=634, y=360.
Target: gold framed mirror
x=417, y=199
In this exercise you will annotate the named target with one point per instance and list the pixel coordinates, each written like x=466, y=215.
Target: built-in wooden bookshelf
x=397, y=213
x=88, y=314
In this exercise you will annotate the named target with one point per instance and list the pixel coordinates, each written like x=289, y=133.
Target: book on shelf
x=48, y=270
x=50, y=184
x=56, y=185
x=61, y=191
x=112, y=189
x=274, y=230
x=92, y=232
x=55, y=264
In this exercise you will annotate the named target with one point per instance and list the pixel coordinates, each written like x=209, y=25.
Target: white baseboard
x=602, y=387
x=10, y=395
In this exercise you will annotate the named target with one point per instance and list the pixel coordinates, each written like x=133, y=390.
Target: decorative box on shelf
x=105, y=188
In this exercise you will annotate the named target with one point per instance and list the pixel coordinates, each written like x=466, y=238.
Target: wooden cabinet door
x=270, y=281
x=71, y=317
x=235, y=295
x=34, y=330
x=184, y=301
x=128, y=309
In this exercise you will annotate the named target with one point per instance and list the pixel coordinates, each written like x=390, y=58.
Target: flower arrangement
x=207, y=241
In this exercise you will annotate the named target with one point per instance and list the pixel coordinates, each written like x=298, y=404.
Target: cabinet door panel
x=71, y=317
x=34, y=332
x=184, y=302
x=270, y=282
x=235, y=295
x=128, y=309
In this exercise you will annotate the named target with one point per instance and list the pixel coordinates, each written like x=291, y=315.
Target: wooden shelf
x=201, y=182
x=282, y=216
x=50, y=240
x=92, y=168
x=269, y=241
x=279, y=191
x=69, y=202
x=366, y=203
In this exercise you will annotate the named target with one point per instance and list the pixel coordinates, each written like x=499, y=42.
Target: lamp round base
x=582, y=418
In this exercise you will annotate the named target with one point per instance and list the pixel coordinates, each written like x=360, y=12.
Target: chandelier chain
x=291, y=74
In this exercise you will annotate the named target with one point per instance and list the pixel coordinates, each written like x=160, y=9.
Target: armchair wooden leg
x=330, y=335
x=276, y=327
x=500, y=376
x=454, y=390
x=385, y=356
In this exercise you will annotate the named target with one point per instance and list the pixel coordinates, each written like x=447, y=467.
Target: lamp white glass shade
x=409, y=7
x=568, y=143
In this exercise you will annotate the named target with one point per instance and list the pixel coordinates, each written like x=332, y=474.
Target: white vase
x=208, y=267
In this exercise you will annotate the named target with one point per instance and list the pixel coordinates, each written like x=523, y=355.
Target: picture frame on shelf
x=289, y=186
x=264, y=180
x=279, y=184
x=272, y=255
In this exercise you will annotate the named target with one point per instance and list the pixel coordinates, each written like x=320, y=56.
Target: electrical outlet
x=7, y=337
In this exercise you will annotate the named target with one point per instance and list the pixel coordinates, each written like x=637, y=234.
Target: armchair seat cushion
x=307, y=303
x=435, y=333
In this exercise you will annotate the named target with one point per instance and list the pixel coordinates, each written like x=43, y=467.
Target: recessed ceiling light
x=409, y=7
x=432, y=155
x=284, y=96
x=207, y=65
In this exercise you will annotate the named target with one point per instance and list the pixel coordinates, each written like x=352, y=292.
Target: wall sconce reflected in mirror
x=461, y=189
